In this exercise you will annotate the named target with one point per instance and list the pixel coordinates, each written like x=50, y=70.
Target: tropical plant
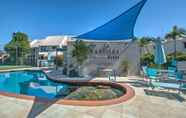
x=143, y=42
x=147, y=59
x=58, y=60
x=174, y=34
x=18, y=48
x=80, y=52
x=124, y=66
x=180, y=56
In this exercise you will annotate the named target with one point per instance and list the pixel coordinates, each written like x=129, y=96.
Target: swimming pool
x=33, y=84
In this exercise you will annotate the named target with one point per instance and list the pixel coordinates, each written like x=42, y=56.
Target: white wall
x=169, y=46
x=101, y=60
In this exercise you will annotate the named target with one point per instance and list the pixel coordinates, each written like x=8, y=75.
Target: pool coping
x=130, y=93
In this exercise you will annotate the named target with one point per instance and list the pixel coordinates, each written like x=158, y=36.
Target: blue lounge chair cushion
x=172, y=68
x=174, y=63
x=183, y=87
x=152, y=77
x=166, y=85
x=179, y=75
x=152, y=73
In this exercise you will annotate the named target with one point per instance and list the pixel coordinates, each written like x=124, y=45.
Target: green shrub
x=147, y=59
x=125, y=65
x=59, y=60
x=180, y=56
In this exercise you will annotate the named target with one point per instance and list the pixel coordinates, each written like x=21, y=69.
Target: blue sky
x=41, y=18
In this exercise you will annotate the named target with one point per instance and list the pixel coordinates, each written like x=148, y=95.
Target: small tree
x=18, y=48
x=80, y=52
x=59, y=60
x=147, y=59
x=180, y=56
x=124, y=66
x=143, y=42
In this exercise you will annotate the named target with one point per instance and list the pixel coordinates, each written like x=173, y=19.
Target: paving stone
x=111, y=114
x=141, y=106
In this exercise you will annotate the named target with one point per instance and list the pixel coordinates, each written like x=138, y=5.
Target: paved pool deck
x=145, y=104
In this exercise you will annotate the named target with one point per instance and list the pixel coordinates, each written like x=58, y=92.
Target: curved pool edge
x=130, y=93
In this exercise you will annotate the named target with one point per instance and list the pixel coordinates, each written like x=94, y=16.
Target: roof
x=50, y=41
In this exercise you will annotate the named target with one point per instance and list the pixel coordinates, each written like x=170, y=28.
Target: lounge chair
x=173, y=63
x=176, y=85
x=152, y=74
x=181, y=66
x=156, y=84
x=171, y=72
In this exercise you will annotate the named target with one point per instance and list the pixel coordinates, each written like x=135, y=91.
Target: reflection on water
x=33, y=83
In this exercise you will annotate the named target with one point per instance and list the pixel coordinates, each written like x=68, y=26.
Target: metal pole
x=16, y=55
x=56, y=59
x=175, y=50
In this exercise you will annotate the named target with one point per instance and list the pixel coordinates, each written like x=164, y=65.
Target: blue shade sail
x=120, y=28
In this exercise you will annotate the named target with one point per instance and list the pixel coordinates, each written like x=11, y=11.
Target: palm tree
x=174, y=34
x=80, y=52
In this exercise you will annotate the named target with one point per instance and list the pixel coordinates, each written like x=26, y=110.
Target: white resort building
x=104, y=55
x=3, y=56
x=44, y=50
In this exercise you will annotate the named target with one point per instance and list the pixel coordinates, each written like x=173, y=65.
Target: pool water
x=34, y=83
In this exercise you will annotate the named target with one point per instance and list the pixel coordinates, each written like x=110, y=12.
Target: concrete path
x=145, y=104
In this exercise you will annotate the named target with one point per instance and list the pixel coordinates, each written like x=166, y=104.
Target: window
x=54, y=47
x=91, y=51
x=96, y=52
x=100, y=51
x=184, y=44
x=41, y=57
x=42, y=49
x=109, y=51
x=117, y=51
x=113, y=51
x=108, y=57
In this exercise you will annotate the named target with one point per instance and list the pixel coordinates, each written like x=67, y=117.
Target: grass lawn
x=9, y=67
